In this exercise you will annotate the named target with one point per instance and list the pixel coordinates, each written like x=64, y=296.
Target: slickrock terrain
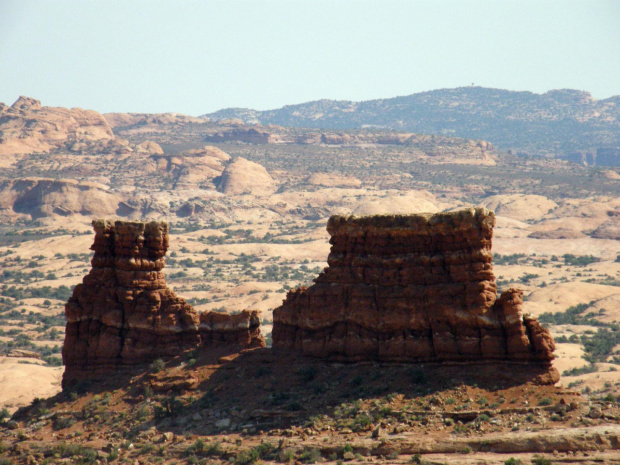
x=412, y=288
x=246, y=177
x=27, y=127
x=123, y=314
x=41, y=197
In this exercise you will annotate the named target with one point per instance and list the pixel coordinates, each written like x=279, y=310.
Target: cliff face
x=411, y=288
x=124, y=314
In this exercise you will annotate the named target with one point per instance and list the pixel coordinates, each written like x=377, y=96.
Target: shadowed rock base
x=413, y=288
x=123, y=314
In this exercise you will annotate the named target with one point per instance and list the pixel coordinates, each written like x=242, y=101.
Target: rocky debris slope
x=124, y=314
x=415, y=288
x=27, y=127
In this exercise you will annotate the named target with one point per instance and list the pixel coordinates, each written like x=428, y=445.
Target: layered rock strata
x=123, y=313
x=411, y=288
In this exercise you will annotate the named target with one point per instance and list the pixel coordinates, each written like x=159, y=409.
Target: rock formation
x=412, y=288
x=123, y=314
x=41, y=197
x=27, y=127
x=246, y=177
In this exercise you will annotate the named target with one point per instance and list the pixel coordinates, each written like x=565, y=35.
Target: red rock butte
x=413, y=288
x=123, y=314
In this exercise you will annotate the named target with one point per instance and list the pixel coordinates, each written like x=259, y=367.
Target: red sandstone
x=412, y=288
x=124, y=314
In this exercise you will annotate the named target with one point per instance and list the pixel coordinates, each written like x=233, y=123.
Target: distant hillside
x=568, y=123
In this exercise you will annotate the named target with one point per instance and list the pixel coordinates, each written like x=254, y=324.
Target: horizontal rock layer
x=411, y=288
x=124, y=314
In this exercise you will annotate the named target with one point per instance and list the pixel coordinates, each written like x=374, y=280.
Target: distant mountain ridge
x=556, y=123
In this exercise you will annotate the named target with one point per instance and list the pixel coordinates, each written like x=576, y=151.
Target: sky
x=196, y=57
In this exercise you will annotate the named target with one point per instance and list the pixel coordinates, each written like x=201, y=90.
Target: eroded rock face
x=27, y=127
x=123, y=313
x=411, y=288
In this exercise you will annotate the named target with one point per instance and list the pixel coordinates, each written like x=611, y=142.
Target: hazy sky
x=195, y=57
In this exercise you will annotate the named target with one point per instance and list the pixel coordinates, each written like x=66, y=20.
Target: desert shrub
x=512, y=461
x=579, y=260
x=571, y=316
x=307, y=373
x=544, y=401
x=580, y=371
x=157, y=366
x=286, y=455
x=310, y=456
x=203, y=449
x=170, y=405
x=600, y=344
x=142, y=413
x=417, y=375
x=539, y=460
x=63, y=422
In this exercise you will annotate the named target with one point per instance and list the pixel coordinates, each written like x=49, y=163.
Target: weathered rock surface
x=415, y=288
x=27, y=127
x=610, y=229
x=123, y=313
x=520, y=206
x=246, y=177
x=41, y=197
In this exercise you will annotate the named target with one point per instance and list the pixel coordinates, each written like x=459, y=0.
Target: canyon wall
x=123, y=314
x=412, y=288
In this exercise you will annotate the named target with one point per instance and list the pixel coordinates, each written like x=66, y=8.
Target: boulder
x=246, y=177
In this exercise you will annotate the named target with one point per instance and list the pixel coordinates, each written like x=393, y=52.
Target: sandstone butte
x=123, y=314
x=414, y=288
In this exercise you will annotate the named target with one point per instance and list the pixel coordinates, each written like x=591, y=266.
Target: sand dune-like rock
x=195, y=167
x=558, y=297
x=28, y=127
x=610, y=229
x=333, y=180
x=520, y=206
x=133, y=119
x=149, y=147
x=246, y=177
x=20, y=383
x=398, y=204
x=560, y=233
x=39, y=197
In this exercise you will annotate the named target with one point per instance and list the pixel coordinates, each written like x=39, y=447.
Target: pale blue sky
x=196, y=57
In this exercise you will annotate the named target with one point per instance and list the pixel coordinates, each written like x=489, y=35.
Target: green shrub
x=310, y=456
x=157, y=366
x=544, y=401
